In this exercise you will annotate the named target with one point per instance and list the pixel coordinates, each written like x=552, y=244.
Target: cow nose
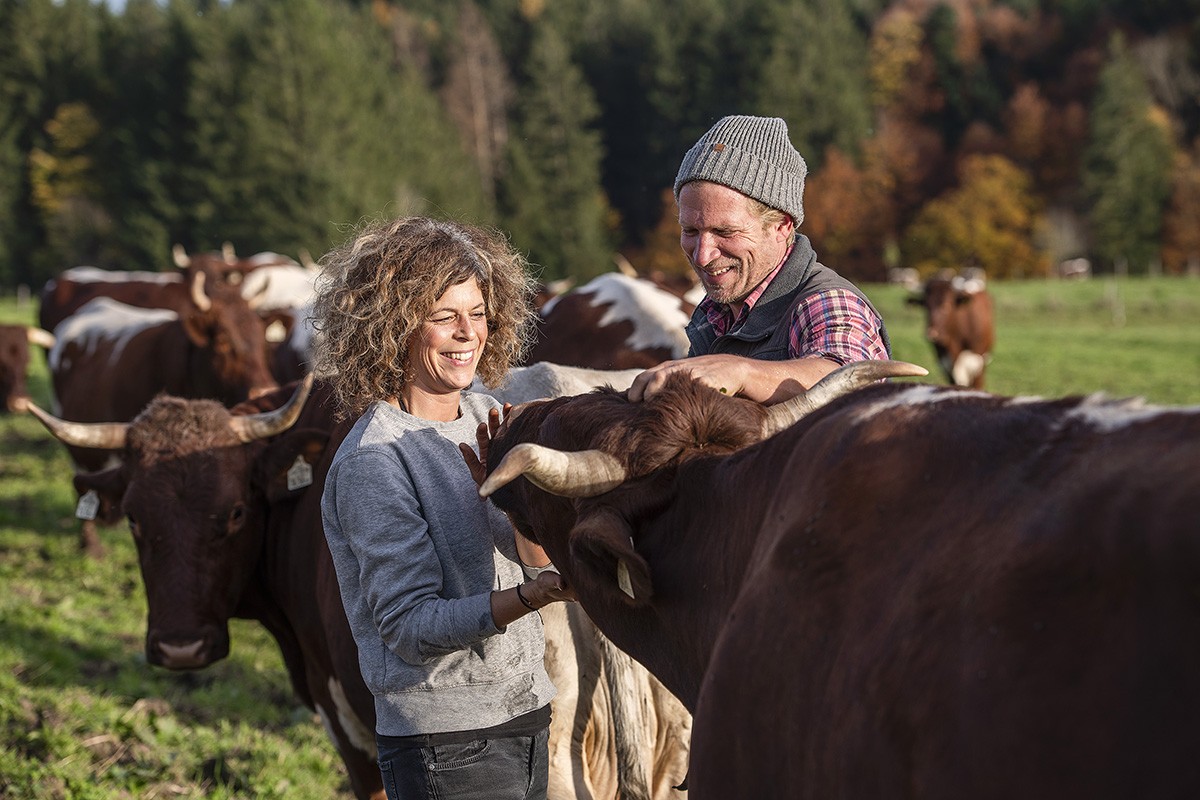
x=182, y=651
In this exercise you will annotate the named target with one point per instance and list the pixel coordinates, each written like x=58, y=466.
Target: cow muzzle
x=186, y=650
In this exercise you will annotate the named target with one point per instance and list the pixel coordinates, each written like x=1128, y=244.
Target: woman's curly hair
x=377, y=289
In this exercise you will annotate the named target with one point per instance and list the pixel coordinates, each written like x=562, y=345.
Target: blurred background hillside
x=1009, y=135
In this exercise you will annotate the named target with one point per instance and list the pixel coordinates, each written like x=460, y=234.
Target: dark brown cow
x=227, y=524
x=14, y=361
x=959, y=325
x=612, y=322
x=218, y=505
x=861, y=606
x=111, y=359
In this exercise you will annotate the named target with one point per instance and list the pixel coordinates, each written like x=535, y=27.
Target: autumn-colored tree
x=894, y=52
x=1181, y=231
x=988, y=221
x=660, y=251
x=848, y=214
x=63, y=179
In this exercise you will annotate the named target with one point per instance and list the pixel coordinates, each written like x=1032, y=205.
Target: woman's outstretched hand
x=483, y=436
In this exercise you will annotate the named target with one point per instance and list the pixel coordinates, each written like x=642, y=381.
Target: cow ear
x=196, y=326
x=109, y=488
x=288, y=465
x=604, y=558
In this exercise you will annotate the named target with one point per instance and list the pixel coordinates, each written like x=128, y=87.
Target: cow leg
x=89, y=539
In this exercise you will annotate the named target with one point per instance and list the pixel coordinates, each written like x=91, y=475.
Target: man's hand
x=483, y=437
x=726, y=374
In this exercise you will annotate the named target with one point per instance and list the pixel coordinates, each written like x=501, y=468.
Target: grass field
x=83, y=716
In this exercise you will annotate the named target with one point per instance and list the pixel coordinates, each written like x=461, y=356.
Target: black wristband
x=521, y=597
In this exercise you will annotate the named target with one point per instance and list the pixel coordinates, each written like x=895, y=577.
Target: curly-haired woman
x=410, y=311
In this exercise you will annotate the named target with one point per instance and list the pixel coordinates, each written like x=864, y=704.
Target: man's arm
x=767, y=382
x=828, y=330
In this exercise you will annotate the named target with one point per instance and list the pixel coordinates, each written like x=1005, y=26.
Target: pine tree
x=814, y=76
x=308, y=125
x=551, y=197
x=1127, y=165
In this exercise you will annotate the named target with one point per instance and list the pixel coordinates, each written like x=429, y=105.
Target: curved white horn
x=256, y=300
x=199, y=298
x=182, y=259
x=228, y=253
x=250, y=427
x=837, y=383
x=40, y=337
x=97, y=435
x=585, y=473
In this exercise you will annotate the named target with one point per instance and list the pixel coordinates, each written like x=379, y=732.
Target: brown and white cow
x=854, y=604
x=614, y=322
x=225, y=510
x=110, y=359
x=65, y=294
x=960, y=324
x=14, y=361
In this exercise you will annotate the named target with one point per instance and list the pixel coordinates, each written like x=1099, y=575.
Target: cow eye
x=133, y=526
x=237, y=518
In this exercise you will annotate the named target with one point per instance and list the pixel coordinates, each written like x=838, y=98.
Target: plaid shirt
x=836, y=324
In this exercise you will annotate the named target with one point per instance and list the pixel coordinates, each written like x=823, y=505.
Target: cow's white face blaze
x=444, y=355
x=729, y=248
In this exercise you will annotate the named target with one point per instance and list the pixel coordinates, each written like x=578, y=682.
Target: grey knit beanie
x=752, y=155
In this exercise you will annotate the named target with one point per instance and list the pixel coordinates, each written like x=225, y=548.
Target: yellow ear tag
x=623, y=579
x=299, y=474
x=89, y=504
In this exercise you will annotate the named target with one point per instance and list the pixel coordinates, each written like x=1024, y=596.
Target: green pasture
x=83, y=716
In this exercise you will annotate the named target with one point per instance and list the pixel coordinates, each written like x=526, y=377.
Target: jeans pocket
x=453, y=756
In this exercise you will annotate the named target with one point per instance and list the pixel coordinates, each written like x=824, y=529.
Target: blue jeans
x=509, y=768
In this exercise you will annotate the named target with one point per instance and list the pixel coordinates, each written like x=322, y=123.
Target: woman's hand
x=549, y=587
x=483, y=436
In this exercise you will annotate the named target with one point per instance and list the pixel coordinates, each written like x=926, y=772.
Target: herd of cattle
x=877, y=589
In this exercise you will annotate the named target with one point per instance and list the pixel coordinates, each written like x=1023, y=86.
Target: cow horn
x=256, y=300
x=182, y=259
x=96, y=435
x=837, y=383
x=307, y=260
x=250, y=427
x=624, y=266
x=228, y=253
x=201, y=300
x=585, y=473
x=40, y=337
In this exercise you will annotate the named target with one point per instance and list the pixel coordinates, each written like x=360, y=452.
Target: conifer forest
x=1011, y=135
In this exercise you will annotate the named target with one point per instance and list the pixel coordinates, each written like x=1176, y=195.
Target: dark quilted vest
x=765, y=334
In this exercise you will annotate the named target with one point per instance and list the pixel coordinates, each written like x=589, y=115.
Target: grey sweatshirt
x=417, y=554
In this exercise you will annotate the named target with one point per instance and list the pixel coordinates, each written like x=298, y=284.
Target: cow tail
x=633, y=725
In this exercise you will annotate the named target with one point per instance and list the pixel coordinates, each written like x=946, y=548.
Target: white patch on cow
x=658, y=320
x=544, y=379
x=920, y=394
x=695, y=294
x=1106, y=414
x=281, y=286
x=103, y=319
x=359, y=735
x=967, y=367
x=97, y=275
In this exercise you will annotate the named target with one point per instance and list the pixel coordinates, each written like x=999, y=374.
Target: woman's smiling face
x=445, y=353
